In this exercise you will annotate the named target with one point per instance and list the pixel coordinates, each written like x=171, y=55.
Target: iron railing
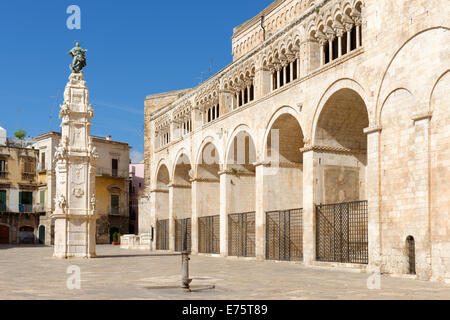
x=25, y=208
x=183, y=235
x=342, y=232
x=162, y=235
x=284, y=235
x=209, y=234
x=241, y=234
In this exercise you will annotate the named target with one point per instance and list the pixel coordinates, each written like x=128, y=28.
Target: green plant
x=20, y=134
x=116, y=237
x=234, y=170
x=317, y=10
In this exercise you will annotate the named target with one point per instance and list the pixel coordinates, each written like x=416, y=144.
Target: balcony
x=42, y=168
x=114, y=173
x=25, y=208
x=114, y=211
x=28, y=176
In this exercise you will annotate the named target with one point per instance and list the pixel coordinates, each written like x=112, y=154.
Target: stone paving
x=32, y=273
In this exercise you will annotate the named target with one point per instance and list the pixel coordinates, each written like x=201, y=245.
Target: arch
x=42, y=234
x=205, y=142
x=430, y=107
x=388, y=97
x=344, y=83
x=238, y=129
x=162, y=162
x=26, y=234
x=163, y=176
x=394, y=57
x=182, y=152
x=5, y=234
x=277, y=114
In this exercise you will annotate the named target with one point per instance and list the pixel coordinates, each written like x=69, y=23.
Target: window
x=2, y=200
x=42, y=200
x=42, y=164
x=3, y=171
x=114, y=204
x=212, y=113
x=29, y=169
x=26, y=202
x=115, y=166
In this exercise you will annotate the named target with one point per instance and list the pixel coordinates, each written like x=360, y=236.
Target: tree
x=20, y=134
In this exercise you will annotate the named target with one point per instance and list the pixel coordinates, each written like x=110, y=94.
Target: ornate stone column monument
x=75, y=215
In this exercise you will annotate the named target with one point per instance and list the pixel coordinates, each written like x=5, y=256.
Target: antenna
x=210, y=67
x=201, y=77
x=53, y=108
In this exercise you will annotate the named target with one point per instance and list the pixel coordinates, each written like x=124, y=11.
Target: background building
x=136, y=188
x=326, y=140
x=111, y=183
x=20, y=204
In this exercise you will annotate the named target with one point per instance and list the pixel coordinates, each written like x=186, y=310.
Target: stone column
x=330, y=48
x=223, y=213
x=260, y=211
x=153, y=219
x=171, y=218
x=422, y=194
x=309, y=233
x=194, y=220
x=348, y=29
x=291, y=69
x=340, y=34
x=322, y=52
x=374, y=197
x=278, y=68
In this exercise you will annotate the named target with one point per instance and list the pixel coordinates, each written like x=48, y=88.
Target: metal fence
x=183, y=235
x=284, y=235
x=209, y=234
x=342, y=232
x=241, y=234
x=162, y=235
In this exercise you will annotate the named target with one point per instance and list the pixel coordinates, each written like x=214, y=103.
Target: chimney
x=108, y=138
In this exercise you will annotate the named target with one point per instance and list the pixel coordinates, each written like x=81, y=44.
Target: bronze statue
x=78, y=58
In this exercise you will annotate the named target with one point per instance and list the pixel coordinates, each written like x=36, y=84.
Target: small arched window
x=411, y=252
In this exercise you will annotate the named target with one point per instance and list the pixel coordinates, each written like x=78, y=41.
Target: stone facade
x=332, y=102
x=19, y=195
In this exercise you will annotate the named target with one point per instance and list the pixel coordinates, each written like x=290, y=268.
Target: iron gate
x=162, y=235
x=284, y=235
x=342, y=232
x=241, y=234
x=209, y=234
x=183, y=235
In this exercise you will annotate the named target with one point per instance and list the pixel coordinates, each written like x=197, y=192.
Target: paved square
x=32, y=273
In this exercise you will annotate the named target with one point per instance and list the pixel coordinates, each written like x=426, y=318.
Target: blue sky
x=136, y=48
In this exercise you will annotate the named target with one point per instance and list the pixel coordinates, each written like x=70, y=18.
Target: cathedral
x=325, y=142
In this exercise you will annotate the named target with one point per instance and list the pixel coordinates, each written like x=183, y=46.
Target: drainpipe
x=262, y=27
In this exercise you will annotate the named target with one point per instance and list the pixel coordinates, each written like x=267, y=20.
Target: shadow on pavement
x=137, y=255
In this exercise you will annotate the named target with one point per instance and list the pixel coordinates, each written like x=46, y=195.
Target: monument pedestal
x=73, y=236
